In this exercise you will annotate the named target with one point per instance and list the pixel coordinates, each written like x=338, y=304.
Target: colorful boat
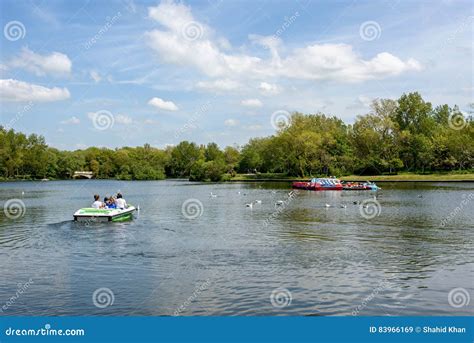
x=359, y=186
x=104, y=215
x=320, y=184
x=333, y=184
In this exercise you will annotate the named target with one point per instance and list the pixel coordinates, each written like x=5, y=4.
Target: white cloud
x=219, y=85
x=162, y=104
x=254, y=127
x=360, y=102
x=14, y=90
x=150, y=121
x=251, y=103
x=123, y=119
x=80, y=146
x=71, y=121
x=365, y=100
x=269, y=88
x=313, y=62
x=56, y=63
x=95, y=76
x=339, y=62
x=231, y=122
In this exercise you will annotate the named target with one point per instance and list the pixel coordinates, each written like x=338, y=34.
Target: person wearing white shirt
x=97, y=203
x=120, y=202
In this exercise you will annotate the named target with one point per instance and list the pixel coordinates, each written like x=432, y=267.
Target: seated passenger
x=111, y=203
x=97, y=203
x=120, y=202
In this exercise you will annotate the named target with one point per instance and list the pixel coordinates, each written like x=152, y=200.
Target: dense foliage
x=406, y=134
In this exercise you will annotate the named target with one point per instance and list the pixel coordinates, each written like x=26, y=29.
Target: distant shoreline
x=348, y=180
x=249, y=179
x=468, y=177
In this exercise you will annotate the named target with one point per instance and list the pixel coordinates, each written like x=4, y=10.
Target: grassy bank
x=393, y=178
x=277, y=177
x=413, y=177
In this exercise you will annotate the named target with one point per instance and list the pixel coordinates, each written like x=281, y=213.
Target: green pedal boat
x=104, y=215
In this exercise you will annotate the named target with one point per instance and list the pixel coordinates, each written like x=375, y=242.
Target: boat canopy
x=325, y=181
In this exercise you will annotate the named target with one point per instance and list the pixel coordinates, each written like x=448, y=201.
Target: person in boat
x=120, y=202
x=110, y=203
x=97, y=203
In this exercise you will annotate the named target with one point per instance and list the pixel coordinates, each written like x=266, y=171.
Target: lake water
x=415, y=257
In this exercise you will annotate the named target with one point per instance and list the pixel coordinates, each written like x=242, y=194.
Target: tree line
x=407, y=134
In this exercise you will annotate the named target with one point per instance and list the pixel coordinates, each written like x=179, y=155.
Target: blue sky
x=117, y=73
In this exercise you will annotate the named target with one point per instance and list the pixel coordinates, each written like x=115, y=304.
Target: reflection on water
x=317, y=245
